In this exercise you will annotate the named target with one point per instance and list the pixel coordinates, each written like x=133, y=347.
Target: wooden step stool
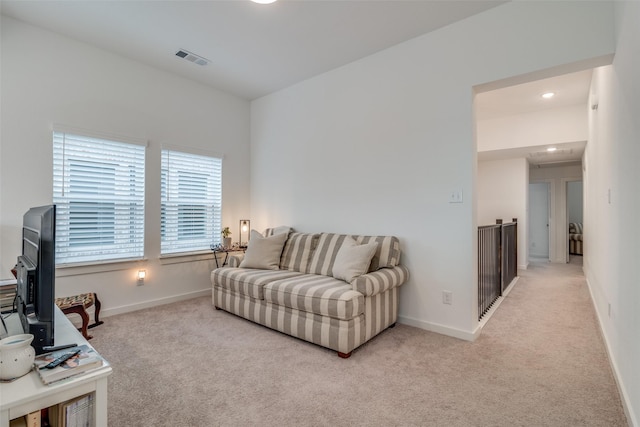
x=78, y=304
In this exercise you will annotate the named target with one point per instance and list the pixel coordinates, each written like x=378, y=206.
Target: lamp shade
x=245, y=229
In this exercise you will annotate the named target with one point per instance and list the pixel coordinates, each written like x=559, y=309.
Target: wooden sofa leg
x=345, y=355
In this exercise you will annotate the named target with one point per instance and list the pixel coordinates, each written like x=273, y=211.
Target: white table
x=28, y=394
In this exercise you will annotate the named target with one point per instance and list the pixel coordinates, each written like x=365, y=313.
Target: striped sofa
x=303, y=299
x=575, y=238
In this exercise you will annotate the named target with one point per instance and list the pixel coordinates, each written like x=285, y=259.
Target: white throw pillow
x=277, y=230
x=352, y=260
x=264, y=252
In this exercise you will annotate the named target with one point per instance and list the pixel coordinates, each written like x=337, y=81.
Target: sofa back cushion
x=575, y=228
x=387, y=253
x=298, y=250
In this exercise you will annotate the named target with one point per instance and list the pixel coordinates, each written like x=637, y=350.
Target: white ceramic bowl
x=16, y=356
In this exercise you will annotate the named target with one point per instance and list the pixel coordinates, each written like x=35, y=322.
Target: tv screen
x=36, y=275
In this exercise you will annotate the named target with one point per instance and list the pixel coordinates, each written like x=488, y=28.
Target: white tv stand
x=28, y=394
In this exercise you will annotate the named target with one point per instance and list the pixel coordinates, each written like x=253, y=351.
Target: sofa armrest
x=380, y=280
x=235, y=260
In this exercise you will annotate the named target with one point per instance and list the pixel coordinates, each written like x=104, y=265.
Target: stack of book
x=7, y=294
x=76, y=412
x=73, y=413
x=84, y=359
x=30, y=420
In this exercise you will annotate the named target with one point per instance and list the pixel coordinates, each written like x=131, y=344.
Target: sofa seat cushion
x=248, y=281
x=316, y=294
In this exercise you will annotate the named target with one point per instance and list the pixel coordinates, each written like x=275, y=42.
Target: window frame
x=182, y=187
x=95, y=170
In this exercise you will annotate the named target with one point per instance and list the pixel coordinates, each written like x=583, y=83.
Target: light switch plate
x=455, y=196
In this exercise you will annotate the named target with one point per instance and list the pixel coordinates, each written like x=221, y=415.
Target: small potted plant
x=226, y=240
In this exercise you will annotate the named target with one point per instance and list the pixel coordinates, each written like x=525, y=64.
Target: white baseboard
x=440, y=329
x=153, y=303
x=510, y=286
x=497, y=302
x=454, y=332
x=523, y=266
x=626, y=403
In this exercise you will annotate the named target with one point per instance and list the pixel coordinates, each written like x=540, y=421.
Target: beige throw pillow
x=277, y=230
x=264, y=252
x=352, y=260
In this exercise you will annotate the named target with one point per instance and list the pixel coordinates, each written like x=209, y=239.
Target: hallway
x=547, y=324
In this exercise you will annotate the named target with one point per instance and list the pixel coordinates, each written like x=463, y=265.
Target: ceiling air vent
x=192, y=57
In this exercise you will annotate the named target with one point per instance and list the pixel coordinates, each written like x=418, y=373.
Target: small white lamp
x=245, y=227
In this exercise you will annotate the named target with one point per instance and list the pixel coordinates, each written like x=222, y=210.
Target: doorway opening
x=539, y=220
x=574, y=220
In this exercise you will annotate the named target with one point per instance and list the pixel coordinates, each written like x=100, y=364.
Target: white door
x=539, y=220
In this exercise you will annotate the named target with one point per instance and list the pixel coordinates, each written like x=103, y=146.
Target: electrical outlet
x=447, y=297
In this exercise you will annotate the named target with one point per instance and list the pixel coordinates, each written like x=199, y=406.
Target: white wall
x=612, y=230
x=2, y=275
x=502, y=188
x=557, y=177
x=48, y=78
x=376, y=146
x=549, y=127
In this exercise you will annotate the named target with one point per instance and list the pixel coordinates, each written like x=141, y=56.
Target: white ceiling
x=258, y=49
x=254, y=49
x=567, y=153
x=569, y=89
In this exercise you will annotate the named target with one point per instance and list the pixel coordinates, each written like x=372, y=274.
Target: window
x=191, y=195
x=98, y=189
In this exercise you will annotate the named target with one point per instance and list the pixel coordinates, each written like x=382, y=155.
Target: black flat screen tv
x=36, y=271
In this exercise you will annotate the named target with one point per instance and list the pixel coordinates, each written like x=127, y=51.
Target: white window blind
x=191, y=198
x=98, y=189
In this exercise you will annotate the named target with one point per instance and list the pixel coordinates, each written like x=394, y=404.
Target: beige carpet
x=540, y=361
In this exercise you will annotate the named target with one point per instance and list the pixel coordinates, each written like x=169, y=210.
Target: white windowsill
x=186, y=257
x=76, y=269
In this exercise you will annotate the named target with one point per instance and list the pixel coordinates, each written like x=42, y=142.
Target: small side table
x=217, y=249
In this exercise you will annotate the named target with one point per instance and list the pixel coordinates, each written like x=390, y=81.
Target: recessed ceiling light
x=551, y=149
x=263, y=1
x=548, y=95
